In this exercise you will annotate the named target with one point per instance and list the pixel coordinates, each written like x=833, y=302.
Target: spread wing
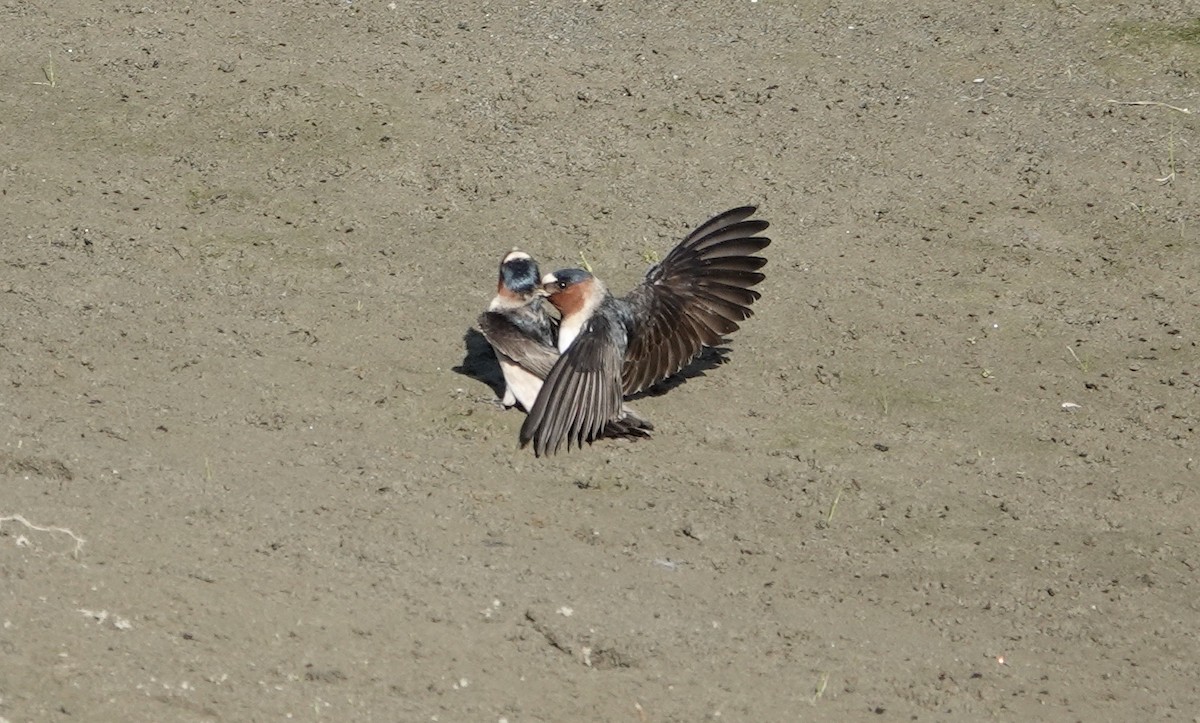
x=695, y=296
x=582, y=393
x=526, y=340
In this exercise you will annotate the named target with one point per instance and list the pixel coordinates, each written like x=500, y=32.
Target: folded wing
x=526, y=341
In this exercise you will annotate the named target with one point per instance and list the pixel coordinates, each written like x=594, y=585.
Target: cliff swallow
x=519, y=329
x=612, y=347
x=523, y=337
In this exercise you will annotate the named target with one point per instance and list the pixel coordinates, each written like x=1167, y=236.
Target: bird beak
x=539, y=291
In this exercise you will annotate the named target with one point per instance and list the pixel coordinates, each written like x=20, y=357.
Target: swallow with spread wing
x=612, y=347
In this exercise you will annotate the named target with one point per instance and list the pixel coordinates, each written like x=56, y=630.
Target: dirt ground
x=251, y=464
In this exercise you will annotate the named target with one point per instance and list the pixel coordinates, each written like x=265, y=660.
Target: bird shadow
x=479, y=363
x=710, y=357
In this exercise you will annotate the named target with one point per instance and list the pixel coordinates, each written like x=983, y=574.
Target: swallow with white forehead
x=523, y=336
x=612, y=347
x=520, y=331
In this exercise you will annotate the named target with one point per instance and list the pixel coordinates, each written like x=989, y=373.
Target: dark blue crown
x=569, y=277
x=520, y=275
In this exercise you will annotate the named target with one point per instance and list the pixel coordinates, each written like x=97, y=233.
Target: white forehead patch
x=516, y=254
x=549, y=279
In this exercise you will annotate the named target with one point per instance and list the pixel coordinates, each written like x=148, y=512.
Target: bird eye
x=562, y=285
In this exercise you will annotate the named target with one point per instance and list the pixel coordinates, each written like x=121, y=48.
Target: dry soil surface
x=251, y=463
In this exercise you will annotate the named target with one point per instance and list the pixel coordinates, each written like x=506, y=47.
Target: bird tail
x=630, y=425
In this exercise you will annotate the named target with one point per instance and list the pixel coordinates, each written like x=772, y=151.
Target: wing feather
x=527, y=341
x=695, y=296
x=582, y=392
x=721, y=220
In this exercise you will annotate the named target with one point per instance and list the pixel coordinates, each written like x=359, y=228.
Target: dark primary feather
x=721, y=220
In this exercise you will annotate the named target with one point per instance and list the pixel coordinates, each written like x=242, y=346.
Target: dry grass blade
x=1185, y=111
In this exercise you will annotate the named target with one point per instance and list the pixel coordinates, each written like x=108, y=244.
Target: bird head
x=518, y=276
x=570, y=290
